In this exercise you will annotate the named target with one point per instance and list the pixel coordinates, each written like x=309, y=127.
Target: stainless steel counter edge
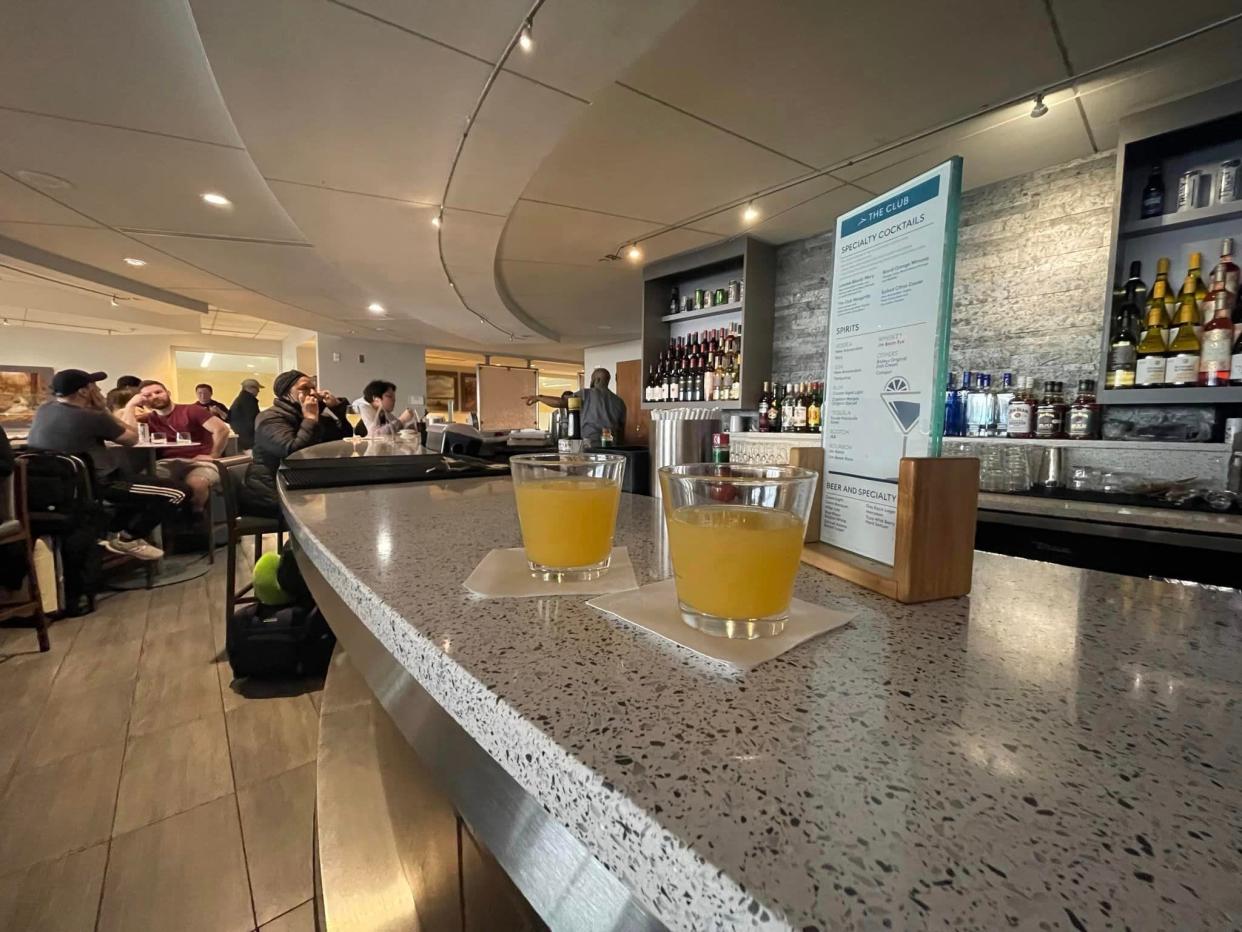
x=457, y=692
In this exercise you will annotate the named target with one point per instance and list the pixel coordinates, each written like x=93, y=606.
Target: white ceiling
x=333, y=125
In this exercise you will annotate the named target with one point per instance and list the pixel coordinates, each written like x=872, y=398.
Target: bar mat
x=504, y=574
x=654, y=608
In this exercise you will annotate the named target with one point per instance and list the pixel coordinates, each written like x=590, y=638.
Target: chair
x=15, y=529
x=232, y=477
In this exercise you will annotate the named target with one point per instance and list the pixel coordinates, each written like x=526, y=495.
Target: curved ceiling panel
x=737, y=97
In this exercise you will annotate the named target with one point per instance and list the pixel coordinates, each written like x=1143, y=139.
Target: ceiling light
x=249, y=365
x=217, y=200
x=751, y=213
x=435, y=221
x=136, y=263
x=375, y=307
x=114, y=304
x=525, y=39
x=1040, y=107
x=4, y=322
x=206, y=360
x=634, y=253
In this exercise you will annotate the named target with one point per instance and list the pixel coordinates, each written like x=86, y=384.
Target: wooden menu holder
x=934, y=554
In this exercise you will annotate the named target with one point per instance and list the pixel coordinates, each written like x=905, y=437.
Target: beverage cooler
x=677, y=440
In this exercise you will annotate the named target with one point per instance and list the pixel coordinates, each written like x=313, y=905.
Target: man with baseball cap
x=77, y=421
x=243, y=411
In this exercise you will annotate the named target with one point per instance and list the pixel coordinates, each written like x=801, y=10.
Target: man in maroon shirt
x=208, y=432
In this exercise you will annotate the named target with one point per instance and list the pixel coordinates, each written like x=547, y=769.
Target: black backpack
x=270, y=641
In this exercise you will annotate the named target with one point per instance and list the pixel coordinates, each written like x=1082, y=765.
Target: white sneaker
x=137, y=548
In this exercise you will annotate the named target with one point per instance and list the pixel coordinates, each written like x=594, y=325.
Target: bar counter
x=1060, y=749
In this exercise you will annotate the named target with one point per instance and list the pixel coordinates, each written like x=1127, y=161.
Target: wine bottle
x=1151, y=352
x=1228, y=273
x=765, y=402
x=1217, y=356
x=1153, y=194
x=1170, y=299
x=1123, y=341
x=1185, y=346
x=1194, y=284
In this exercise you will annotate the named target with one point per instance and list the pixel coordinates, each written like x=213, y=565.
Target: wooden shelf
x=704, y=312
x=1229, y=210
x=1222, y=395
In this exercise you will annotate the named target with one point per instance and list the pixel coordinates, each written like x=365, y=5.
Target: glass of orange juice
x=735, y=538
x=567, y=507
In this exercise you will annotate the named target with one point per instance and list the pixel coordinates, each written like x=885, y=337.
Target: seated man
x=76, y=421
x=193, y=467
x=203, y=393
x=299, y=417
x=375, y=408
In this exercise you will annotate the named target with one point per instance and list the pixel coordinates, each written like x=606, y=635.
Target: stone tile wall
x=1031, y=275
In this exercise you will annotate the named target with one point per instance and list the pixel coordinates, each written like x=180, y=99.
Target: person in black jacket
x=243, y=411
x=301, y=416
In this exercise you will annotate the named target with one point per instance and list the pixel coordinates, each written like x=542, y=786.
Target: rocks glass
x=567, y=507
x=735, y=538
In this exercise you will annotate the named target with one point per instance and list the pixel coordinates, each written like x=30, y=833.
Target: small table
x=153, y=451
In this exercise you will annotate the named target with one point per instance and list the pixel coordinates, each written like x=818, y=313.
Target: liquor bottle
x=1153, y=194
x=765, y=402
x=981, y=408
x=1216, y=359
x=800, y=408
x=774, y=409
x=1194, y=285
x=787, y=408
x=1185, y=344
x=1050, y=415
x=573, y=419
x=1004, y=395
x=950, y=408
x=1170, y=301
x=1084, y=413
x=674, y=302
x=813, y=409
x=963, y=392
x=1021, y=421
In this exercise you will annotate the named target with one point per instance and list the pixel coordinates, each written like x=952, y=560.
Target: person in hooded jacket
x=300, y=416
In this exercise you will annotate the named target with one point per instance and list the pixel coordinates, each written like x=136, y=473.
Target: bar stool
x=15, y=529
x=232, y=477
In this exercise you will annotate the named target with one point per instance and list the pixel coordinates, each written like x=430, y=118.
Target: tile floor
x=139, y=789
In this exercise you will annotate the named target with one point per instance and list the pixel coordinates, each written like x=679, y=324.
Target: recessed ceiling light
x=634, y=253
x=43, y=179
x=751, y=213
x=217, y=200
x=525, y=39
x=136, y=263
x=375, y=307
x=379, y=329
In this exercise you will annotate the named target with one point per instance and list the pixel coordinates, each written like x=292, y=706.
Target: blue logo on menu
x=890, y=207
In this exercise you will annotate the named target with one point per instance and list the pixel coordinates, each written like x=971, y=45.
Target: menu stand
x=937, y=499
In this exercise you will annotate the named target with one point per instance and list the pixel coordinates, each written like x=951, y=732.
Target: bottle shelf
x=1184, y=219
x=1221, y=395
x=722, y=405
x=704, y=312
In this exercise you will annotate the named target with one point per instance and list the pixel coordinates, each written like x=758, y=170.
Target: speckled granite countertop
x=1060, y=750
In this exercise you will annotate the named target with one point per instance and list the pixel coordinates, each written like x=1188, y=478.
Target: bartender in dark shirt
x=602, y=409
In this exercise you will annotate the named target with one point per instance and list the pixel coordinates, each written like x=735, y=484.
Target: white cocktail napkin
x=504, y=574
x=654, y=608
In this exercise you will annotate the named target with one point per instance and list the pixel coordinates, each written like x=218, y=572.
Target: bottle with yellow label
x=1185, y=345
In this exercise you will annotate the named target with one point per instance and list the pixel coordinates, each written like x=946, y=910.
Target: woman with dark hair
x=375, y=408
x=300, y=416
